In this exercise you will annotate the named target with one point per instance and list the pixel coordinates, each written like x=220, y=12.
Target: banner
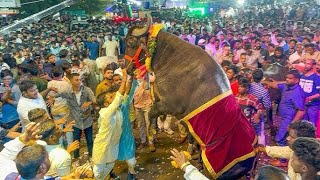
x=10, y=3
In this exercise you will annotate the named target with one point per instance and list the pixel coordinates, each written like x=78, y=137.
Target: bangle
x=21, y=140
x=27, y=143
x=184, y=165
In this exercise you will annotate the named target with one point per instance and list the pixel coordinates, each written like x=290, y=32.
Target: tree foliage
x=91, y=6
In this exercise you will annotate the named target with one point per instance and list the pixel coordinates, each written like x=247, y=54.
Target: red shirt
x=234, y=87
x=249, y=104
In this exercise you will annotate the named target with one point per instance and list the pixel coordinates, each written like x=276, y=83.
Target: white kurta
x=25, y=105
x=60, y=161
x=111, y=47
x=106, y=143
x=286, y=153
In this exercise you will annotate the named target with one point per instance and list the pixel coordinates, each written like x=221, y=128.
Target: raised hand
x=31, y=134
x=61, y=121
x=178, y=157
x=50, y=101
x=69, y=127
x=15, y=127
x=54, y=89
x=73, y=146
x=86, y=105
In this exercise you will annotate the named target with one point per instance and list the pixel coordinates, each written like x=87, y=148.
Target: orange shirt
x=103, y=86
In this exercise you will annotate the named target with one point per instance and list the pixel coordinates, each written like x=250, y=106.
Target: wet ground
x=157, y=165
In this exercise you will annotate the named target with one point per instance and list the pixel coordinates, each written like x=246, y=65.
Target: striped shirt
x=261, y=93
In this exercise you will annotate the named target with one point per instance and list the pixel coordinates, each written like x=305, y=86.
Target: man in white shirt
x=212, y=47
x=296, y=129
x=111, y=46
x=191, y=37
x=59, y=158
x=29, y=100
x=253, y=57
x=296, y=56
x=12, y=148
x=121, y=61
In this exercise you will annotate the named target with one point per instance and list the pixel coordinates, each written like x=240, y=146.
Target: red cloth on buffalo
x=224, y=133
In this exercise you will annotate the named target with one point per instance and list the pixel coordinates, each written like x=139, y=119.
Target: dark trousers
x=10, y=125
x=77, y=136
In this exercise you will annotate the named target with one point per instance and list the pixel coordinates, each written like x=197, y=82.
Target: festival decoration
x=152, y=44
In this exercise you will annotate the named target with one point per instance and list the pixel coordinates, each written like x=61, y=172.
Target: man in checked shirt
x=250, y=105
x=258, y=90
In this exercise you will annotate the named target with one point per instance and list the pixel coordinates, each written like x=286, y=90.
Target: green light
x=197, y=11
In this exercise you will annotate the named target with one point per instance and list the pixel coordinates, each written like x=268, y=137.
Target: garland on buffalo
x=152, y=44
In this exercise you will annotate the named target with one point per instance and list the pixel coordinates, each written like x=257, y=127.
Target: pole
x=31, y=2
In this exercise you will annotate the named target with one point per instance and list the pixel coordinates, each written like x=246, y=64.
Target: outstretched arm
x=272, y=83
x=123, y=82
x=46, y=92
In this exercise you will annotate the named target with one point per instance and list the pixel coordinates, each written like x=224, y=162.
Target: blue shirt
x=55, y=51
x=292, y=100
x=60, y=62
x=285, y=47
x=309, y=85
x=9, y=111
x=93, y=49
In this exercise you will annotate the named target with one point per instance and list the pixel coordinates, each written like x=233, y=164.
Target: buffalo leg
x=158, y=109
x=270, y=122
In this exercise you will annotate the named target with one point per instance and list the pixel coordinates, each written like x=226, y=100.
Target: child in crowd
x=250, y=105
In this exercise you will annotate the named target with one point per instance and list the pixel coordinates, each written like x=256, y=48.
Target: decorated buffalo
x=192, y=86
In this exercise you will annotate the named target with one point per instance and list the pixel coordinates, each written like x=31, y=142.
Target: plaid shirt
x=258, y=90
x=83, y=118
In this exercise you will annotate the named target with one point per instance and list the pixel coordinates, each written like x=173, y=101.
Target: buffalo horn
x=137, y=32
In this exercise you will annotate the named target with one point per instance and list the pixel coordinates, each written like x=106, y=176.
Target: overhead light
x=136, y=2
x=241, y=2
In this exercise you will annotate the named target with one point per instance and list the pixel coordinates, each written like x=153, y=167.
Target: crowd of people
x=59, y=82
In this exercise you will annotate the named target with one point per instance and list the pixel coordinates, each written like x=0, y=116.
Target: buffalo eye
x=131, y=42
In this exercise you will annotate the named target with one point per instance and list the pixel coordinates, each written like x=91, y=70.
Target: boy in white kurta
x=106, y=143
